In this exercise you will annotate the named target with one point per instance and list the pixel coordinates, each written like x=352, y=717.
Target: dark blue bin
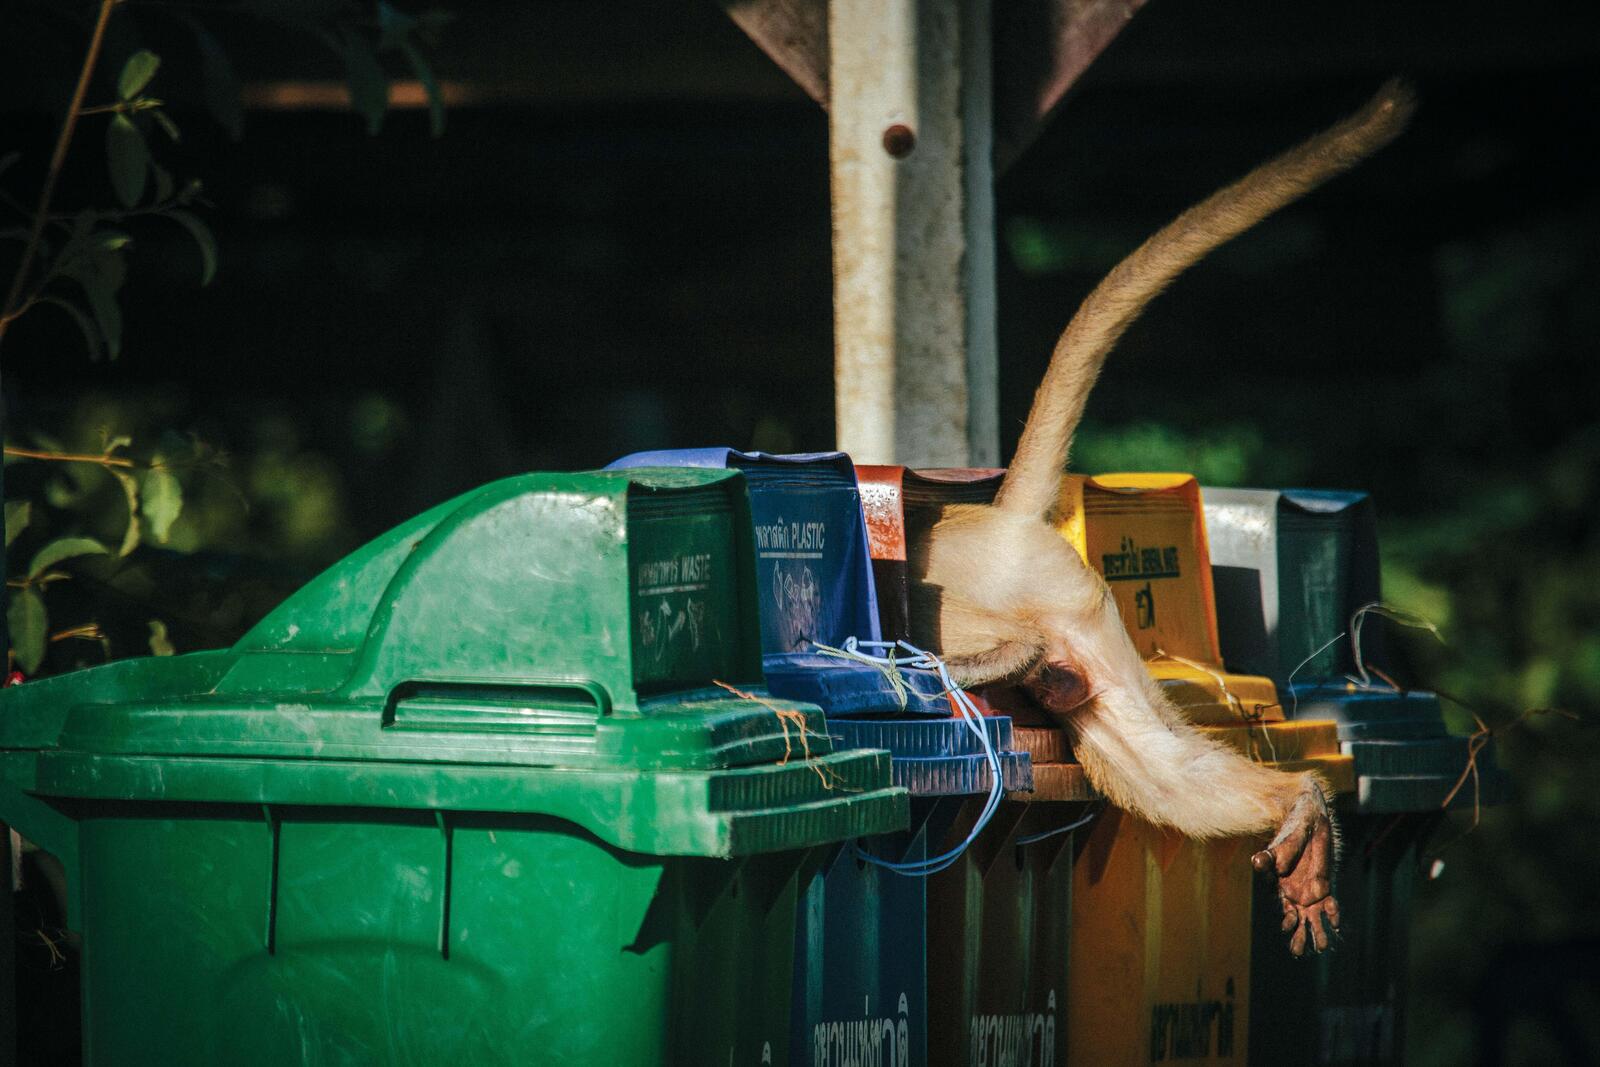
x=861, y=943
x=814, y=580
x=1289, y=569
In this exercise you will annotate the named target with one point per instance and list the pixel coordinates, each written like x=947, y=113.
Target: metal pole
x=910, y=132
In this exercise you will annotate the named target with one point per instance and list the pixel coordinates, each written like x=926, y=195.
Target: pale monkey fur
x=1004, y=597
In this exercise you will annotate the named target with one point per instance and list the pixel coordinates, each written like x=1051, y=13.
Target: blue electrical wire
x=1089, y=817
x=917, y=658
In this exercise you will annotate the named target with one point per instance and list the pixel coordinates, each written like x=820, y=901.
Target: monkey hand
x=1300, y=857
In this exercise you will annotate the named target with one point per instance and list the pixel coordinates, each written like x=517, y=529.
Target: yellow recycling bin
x=1160, y=960
x=1146, y=535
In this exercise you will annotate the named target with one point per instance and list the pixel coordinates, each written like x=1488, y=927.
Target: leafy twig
x=10, y=309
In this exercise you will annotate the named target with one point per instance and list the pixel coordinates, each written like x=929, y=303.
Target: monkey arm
x=1167, y=772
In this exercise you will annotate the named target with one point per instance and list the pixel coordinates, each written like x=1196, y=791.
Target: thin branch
x=69, y=457
x=41, y=214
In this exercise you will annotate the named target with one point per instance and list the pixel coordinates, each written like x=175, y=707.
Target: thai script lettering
x=678, y=575
x=1130, y=562
x=1025, y=1040
x=1144, y=607
x=868, y=1042
x=793, y=540
x=1183, y=1031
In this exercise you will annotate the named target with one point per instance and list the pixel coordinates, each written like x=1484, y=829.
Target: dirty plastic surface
x=814, y=579
x=451, y=798
x=1146, y=535
x=1163, y=926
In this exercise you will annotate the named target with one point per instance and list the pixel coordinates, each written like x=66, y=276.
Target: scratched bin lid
x=932, y=757
x=1368, y=712
x=1386, y=794
x=1442, y=756
x=814, y=580
x=921, y=737
x=579, y=646
x=937, y=776
x=1425, y=774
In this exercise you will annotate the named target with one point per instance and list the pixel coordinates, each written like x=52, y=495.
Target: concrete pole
x=910, y=132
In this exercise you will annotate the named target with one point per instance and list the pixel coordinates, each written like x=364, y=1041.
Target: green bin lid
x=575, y=623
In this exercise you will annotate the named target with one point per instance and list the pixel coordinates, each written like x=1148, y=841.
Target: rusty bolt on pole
x=898, y=140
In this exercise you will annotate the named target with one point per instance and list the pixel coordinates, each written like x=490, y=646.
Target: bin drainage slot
x=444, y=893
x=273, y=827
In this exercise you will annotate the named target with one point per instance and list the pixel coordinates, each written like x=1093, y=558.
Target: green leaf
x=163, y=179
x=168, y=127
x=111, y=240
x=203, y=237
x=162, y=500
x=101, y=272
x=160, y=643
x=369, y=85
x=18, y=514
x=136, y=73
x=91, y=333
x=430, y=85
x=64, y=548
x=28, y=621
x=108, y=315
x=220, y=85
x=129, y=159
x=130, y=489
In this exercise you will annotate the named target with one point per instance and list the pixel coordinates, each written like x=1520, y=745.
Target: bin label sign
x=811, y=565
x=683, y=599
x=1025, y=1040
x=1131, y=562
x=791, y=553
x=1147, y=548
x=868, y=1042
x=1184, y=1030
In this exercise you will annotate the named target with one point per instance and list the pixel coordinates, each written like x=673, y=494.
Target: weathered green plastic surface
x=471, y=796
x=543, y=621
x=223, y=936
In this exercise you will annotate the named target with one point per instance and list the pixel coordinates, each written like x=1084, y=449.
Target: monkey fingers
x=1311, y=923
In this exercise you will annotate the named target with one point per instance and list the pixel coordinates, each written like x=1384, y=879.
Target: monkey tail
x=1032, y=483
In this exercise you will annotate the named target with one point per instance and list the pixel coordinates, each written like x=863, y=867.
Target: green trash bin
x=469, y=797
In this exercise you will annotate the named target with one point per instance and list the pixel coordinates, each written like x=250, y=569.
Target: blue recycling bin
x=814, y=581
x=861, y=968
x=860, y=979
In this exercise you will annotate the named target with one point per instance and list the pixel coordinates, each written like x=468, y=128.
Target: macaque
x=1006, y=599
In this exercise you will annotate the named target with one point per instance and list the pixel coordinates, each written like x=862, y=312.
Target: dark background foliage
x=622, y=241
